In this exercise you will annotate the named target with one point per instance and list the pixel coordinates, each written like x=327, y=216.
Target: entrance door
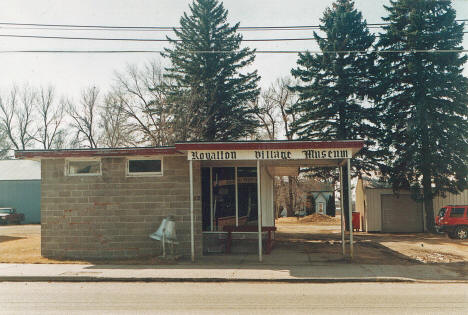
x=321, y=208
x=225, y=209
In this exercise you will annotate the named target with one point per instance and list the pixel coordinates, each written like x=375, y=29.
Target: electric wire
x=171, y=28
x=255, y=51
x=144, y=39
x=152, y=39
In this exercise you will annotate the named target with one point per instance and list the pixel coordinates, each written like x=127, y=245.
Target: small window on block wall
x=144, y=167
x=83, y=168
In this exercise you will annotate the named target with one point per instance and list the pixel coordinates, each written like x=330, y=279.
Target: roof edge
x=63, y=153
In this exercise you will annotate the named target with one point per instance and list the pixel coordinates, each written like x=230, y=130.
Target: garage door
x=401, y=214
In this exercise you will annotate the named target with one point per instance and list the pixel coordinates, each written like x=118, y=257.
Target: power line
x=143, y=39
x=228, y=52
x=171, y=28
x=151, y=39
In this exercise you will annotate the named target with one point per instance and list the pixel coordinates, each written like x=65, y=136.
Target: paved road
x=229, y=298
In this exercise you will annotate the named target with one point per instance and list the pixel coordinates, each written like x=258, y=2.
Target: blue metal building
x=20, y=188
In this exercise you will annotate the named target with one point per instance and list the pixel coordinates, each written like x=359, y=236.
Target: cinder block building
x=104, y=203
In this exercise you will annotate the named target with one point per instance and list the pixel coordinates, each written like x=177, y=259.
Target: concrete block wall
x=111, y=216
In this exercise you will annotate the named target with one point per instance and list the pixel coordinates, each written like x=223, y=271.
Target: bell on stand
x=166, y=233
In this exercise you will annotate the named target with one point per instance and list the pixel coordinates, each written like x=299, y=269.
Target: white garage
x=383, y=211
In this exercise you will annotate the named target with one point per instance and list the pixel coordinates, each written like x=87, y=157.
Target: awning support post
x=343, y=243
x=237, y=196
x=348, y=165
x=259, y=215
x=192, y=239
x=211, y=200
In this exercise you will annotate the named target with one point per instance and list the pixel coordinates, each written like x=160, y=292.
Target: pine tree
x=210, y=87
x=331, y=207
x=424, y=100
x=335, y=87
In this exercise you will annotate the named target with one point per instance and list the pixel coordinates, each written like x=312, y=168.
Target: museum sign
x=294, y=154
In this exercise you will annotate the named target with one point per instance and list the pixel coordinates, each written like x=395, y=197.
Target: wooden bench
x=248, y=228
x=224, y=221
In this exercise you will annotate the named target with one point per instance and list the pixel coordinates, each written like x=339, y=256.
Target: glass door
x=220, y=207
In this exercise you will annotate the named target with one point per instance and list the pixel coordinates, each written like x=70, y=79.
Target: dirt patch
x=315, y=218
x=378, y=248
x=25, y=250
x=21, y=244
x=433, y=249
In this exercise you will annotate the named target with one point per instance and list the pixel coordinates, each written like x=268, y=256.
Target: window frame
x=144, y=174
x=67, y=166
x=457, y=215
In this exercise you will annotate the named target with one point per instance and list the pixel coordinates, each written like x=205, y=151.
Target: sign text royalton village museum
x=315, y=154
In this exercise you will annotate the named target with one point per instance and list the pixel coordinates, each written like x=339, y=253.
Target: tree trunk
x=428, y=201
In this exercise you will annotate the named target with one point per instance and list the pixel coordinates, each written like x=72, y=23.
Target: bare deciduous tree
x=143, y=99
x=267, y=114
x=85, y=118
x=4, y=145
x=16, y=116
x=51, y=116
x=282, y=98
x=273, y=109
x=116, y=131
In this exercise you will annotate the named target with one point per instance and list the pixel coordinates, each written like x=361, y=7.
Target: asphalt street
x=233, y=298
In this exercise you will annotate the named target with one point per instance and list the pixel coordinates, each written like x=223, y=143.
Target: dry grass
x=25, y=248
x=21, y=244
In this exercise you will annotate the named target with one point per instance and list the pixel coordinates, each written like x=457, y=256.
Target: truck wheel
x=461, y=232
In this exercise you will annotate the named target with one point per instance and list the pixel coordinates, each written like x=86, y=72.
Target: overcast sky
x=69, y=73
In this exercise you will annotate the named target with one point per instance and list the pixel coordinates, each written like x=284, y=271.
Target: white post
x=192, y=240
x=237, y=196
x=259, y=215
x=211, y=199
x=350, y=201
x=343, y=244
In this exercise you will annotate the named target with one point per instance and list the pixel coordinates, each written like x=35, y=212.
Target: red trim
x=270, y=145
x=274, y=145
x=94, y=152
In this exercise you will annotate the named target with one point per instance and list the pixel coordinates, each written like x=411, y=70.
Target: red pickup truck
x=9, y=215
x=453, y=220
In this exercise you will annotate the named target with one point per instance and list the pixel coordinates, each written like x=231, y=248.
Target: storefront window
x=224, y=198
x=247, y=192
x=222, y=194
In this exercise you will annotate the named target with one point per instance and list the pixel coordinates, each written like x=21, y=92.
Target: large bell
x=166, y=231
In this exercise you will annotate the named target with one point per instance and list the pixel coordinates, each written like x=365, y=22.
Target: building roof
x=61, y=153
x=355, y=145
x=20, y=170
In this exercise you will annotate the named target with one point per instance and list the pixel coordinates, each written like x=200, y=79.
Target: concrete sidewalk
x=209, y=273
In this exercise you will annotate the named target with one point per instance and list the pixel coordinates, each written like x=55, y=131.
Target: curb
x=218, y=280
